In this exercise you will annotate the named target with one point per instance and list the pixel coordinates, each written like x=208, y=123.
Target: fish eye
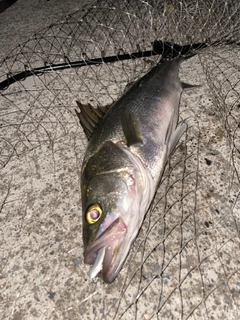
x=93, y=214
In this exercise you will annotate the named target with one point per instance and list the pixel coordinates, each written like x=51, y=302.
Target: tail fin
x=171, y=51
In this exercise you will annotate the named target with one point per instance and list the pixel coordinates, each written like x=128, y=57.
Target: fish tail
x=170, y=51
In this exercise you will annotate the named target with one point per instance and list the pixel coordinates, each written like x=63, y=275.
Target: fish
x=129, y=145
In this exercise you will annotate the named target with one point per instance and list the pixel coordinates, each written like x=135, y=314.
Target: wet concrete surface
x=185, y=262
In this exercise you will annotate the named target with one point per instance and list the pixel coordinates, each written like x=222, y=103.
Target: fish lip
x=110, y=240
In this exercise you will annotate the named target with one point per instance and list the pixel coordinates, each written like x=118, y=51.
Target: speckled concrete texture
x=185, y=261
x=22, y=19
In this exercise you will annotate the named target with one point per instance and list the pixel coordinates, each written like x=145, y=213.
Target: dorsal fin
x=90, y=117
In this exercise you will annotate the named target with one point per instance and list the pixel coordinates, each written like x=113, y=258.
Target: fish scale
x=124, y=163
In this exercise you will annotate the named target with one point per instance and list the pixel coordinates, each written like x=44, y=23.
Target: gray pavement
x=185, y=262
x=23, y=18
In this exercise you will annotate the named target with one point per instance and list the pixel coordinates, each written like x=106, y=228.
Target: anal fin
x=175, y=137
x=187, y=86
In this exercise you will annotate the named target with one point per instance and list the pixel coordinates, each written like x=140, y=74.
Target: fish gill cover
x=185, y=261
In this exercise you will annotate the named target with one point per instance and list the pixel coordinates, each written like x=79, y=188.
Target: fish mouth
x=101, y=254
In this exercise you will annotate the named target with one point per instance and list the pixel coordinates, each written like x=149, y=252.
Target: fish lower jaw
x=105, y=248
x=97, y=266
x=103, y=264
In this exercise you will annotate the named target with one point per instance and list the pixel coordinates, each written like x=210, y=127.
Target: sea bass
x=124, y=163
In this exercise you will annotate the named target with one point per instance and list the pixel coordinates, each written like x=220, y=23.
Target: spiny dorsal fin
x=131, y=129
x=90, y=117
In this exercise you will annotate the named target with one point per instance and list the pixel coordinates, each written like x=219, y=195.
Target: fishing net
x=185, y=261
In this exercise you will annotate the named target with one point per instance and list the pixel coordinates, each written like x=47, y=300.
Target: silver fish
x=124, y=162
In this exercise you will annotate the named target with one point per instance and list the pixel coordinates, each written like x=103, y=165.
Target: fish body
x=124, y=163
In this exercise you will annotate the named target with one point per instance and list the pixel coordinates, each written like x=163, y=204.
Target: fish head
x=114, y=204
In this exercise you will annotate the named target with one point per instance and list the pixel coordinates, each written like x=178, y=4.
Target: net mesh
x=185, y=261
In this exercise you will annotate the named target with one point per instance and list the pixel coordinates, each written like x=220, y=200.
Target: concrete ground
x=185, y=261
x=19, y=21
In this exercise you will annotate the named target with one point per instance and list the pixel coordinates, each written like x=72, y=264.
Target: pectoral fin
x=131, y=129
x=175, y=137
